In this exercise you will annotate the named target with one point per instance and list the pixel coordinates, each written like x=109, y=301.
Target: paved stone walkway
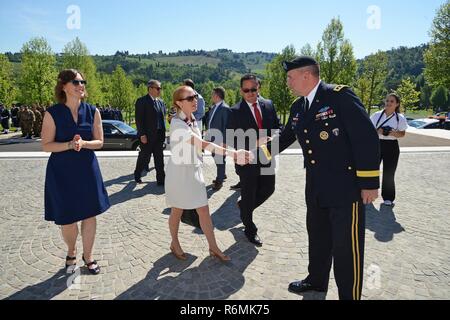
x=407, y=249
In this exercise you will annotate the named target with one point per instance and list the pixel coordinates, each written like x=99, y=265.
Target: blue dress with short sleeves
x=74, y=189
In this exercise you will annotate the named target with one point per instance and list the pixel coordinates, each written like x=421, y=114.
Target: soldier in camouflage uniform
x=37, y=125
x=28, y=120
x=20, y=114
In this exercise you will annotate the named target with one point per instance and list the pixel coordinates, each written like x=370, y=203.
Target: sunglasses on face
x=252, y=90
x=157, y=88
x=190, y=98
x=78, y=82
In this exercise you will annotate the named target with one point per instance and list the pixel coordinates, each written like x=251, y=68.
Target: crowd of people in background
x=28, y=119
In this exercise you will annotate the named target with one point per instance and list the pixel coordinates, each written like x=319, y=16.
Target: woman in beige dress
x=185, y=184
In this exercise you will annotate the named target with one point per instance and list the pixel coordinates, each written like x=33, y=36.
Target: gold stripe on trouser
x=356, y=257
x=358, y=296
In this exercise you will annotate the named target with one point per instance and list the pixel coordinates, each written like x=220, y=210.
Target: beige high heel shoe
x=177, y=255
x=221, y=257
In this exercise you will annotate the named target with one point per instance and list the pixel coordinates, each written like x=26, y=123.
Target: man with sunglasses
x=150, y=114
x=255, y=118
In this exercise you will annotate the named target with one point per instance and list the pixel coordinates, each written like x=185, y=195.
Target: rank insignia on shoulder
x=339, y=87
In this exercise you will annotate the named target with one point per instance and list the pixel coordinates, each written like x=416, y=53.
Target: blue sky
x=141, y=26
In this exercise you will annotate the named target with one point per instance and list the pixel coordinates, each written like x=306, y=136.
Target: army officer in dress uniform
x=341, y=154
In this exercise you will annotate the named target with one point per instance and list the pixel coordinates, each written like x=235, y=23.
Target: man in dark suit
x=150, y=114
x=217, y=126
x=341, y=157
x=255, y=118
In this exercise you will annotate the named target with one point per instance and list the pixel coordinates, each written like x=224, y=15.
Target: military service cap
x=300, y=62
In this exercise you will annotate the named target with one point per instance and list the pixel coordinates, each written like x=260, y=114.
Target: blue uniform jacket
x=340, y=145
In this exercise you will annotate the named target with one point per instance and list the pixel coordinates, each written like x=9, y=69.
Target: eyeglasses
x=253, y=90
x=157, y=88
x=78, y=82
x=190, y=98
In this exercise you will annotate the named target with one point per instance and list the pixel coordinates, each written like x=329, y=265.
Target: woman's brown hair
x=397, y=98
x=64, y=78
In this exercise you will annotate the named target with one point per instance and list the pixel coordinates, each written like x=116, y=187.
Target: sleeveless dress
x=74, y=189
x=184, y=185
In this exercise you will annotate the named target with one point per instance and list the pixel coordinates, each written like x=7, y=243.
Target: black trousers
x=155, y=147
x=337, y=235
x=390, y=152
x=255, y=190
x=221, y=167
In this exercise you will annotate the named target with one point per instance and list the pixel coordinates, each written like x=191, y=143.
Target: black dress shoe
x=255, y=240
x=137, y=179
x=236, y=186
x=217, y=185
x=303, y=286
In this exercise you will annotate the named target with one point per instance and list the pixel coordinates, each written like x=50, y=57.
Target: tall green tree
x=167, y=93
x=425, y=92
x=437, y=57
x=307, y=50
x=439, y=98
x=370, y=85
x=104, y=81
x=335, y=55
x=38, y=76
x=275, y=86
x=206, y=91
x=76, y=56
x=122, y=92
x=7, y=87
x=408, y=94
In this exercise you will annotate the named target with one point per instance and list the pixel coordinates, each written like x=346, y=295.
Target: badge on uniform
x=324, y=135
x=336, y=132
x=325, y=113
x=295, y=121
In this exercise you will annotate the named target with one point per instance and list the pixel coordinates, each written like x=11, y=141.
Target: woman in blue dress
x=74, y=189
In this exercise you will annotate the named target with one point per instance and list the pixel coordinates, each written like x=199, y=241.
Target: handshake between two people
x=243, y=157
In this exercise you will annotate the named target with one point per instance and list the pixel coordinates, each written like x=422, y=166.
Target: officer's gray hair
x=314, y=69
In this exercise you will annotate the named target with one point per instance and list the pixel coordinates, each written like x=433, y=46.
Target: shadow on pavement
x=51, y=287
x=171, y=279
x=128, y=192
x=382, y=222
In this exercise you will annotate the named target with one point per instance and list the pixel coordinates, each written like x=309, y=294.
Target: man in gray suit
x=217, y=126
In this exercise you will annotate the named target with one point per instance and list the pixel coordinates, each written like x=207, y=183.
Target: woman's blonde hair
x=178, y=94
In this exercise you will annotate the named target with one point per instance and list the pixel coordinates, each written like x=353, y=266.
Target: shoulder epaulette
x=339, y=87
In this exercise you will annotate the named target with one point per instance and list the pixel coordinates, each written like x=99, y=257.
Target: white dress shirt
x=312, y=94
x=400, y=125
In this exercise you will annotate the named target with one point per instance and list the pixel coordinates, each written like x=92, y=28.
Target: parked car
x=119, y=136
x=409, y=119
x=428, y=123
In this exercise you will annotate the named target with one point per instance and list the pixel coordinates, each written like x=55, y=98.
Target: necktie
x=159, y=114
x=306, y=105
x=258, y=116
